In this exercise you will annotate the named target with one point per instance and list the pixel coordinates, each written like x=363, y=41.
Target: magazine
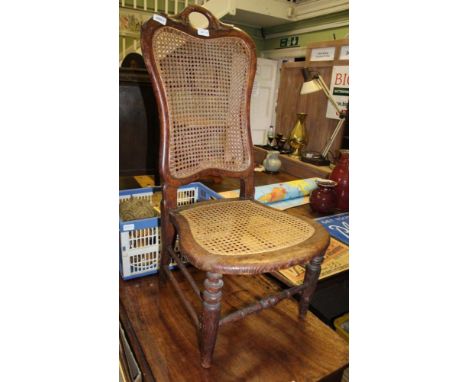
x=336, y=260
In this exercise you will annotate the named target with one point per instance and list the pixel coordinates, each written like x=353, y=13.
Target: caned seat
x=245, y=237
x=202, y=81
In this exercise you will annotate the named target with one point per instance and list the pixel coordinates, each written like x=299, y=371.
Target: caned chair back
x=203, y=81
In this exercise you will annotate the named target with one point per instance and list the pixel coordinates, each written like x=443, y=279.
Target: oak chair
x=202, y=80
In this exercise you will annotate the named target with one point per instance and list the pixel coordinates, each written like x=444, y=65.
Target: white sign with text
x=323, y=54
x=344, y=52
x=339, y=88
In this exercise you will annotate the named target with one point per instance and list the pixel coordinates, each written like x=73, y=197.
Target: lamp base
x=315, y=158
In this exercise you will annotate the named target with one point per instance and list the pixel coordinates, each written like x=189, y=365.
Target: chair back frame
x=216, y=29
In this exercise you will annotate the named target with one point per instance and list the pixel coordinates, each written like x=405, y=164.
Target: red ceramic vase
x=340, y=175
x=323, y=199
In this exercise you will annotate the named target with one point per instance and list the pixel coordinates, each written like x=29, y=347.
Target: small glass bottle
x=270, y=136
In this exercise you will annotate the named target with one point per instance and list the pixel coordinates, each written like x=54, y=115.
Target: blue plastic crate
x=140, y=239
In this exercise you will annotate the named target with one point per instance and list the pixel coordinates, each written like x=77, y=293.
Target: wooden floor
x=274, y=345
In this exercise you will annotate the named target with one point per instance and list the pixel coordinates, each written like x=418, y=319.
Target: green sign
x=341, y=91
x=289, y=42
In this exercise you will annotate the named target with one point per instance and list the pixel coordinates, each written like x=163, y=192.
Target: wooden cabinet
x=138, y=124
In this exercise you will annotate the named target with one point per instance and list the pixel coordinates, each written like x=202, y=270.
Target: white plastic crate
x=140, y=239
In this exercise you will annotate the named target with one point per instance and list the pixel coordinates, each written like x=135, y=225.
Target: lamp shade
x=311, y=87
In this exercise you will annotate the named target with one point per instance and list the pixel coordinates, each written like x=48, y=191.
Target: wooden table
x=274, y=345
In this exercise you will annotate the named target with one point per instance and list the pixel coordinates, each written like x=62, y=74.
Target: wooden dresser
x=138, y=124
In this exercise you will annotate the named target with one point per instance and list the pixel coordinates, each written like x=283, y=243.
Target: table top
x=274, y=345
x=227, y=184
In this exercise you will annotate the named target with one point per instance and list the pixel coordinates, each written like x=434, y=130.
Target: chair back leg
x=168, y=234
x=310, y=280
x=210, y=316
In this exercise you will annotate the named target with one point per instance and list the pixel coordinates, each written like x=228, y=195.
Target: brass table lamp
x=313, y=83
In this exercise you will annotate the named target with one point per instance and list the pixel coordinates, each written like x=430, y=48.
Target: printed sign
x=323, y=54
x=160, y=19
x=203, y=32
x=339, y=88
x=344, y=52
x=336, y=260
x=337, y=226
x=288, y=42
x=129, y=227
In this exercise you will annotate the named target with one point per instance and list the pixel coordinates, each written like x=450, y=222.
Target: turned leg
x=310, y=279
x=168, y=233
x=210, y=316
x=168, y=238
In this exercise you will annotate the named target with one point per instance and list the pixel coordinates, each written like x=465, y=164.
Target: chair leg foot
x=209, y=323
x=310, y=279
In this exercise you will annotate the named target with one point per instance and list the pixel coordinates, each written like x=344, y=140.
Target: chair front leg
x=210, y=316
x=310, y=279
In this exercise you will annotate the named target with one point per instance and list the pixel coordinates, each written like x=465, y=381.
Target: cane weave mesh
x=244, y=227
x=206, y=86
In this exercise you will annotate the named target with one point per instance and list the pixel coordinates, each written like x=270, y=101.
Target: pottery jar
x=340, y=175
x=272, y=163
x=324, y=199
